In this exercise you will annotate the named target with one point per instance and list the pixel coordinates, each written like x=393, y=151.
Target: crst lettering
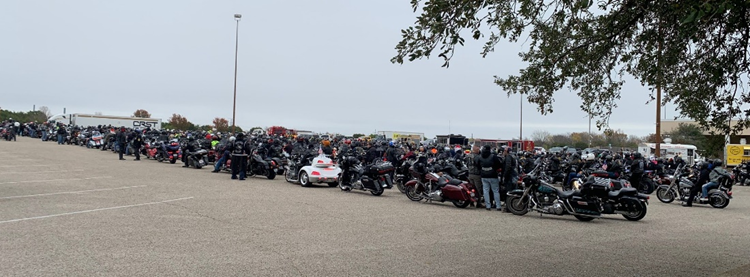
x=142, y=124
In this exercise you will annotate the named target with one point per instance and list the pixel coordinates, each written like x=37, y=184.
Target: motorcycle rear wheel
x=378, y=191
x=271, y=175
x=461, y=204
x=638, y=215
x=718, y=201
x=172, y=161
x=412, y=195
x=583, y=218
x=304, y=180
x=517, y=206
x=665, y=195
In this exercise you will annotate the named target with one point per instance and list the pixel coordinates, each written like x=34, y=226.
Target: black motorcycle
x=588, y=200
x=374, y=178
x=261, y=167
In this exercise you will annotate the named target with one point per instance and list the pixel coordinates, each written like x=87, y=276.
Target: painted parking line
x=34, y=172
x=55, y=180
x=68, y=192
x=94, y=210
x=24, y=165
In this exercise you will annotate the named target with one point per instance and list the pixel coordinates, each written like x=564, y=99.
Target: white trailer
x=686, y=151
x=86, y=120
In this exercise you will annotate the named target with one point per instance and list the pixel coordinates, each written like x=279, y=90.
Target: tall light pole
x=237, y=18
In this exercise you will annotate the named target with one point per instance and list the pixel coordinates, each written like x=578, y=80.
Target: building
x=668, y=126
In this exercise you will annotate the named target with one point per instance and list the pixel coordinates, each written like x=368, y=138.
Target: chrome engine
x=436, y=195
x=557, y=207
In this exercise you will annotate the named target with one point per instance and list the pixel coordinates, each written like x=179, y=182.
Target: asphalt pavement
x=72, y=211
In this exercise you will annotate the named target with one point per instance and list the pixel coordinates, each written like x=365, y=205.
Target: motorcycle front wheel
x=400, y=186
x=665, y=195
x=271, y=175
x=517, y=206
x=378, y=191
x=412, y=194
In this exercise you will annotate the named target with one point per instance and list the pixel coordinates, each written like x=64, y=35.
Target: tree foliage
x=142, y=113
x=30, y=116
x=221, y=124
x=696, y=50
x=358, y=135
x=179, y=122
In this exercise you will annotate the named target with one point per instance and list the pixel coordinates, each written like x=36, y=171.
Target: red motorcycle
x=440, y=187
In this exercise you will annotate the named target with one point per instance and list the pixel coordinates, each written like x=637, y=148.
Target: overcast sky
x=314, y=65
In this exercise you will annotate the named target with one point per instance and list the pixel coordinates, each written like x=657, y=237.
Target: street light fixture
x=237, y=17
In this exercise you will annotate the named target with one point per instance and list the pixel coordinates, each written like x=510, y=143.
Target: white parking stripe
x=16, y=165
x=67, y=192
x=52, y=171
x=53, y=180
x=94, y=210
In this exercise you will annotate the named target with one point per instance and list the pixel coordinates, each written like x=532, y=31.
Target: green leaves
x=696, y=50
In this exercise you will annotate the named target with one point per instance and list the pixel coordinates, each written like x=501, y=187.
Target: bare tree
x=45, y=111
x=540, y=137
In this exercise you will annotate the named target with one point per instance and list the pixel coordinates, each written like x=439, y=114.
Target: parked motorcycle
x=262, y=167
x=374, y=178
x=440, y=187
x=587, y=200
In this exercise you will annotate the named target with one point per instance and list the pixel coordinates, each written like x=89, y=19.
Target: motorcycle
x=197, y=159
x=173, y=151
x=587, y=200
x=374, y=178
x=320, y=170
x=680, y=188
x=262, y=167
x=439, y=187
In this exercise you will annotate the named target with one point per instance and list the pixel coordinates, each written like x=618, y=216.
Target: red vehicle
x=276, y=130
x=435, y=187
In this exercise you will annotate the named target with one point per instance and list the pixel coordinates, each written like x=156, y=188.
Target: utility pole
x=658, y=100
x=237, y=18
x=520, y=133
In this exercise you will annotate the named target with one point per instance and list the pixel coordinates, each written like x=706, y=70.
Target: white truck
x=85, y=120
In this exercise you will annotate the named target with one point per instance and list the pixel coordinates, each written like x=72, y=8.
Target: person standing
x=475, y=174
x=223, y=148
x=488, y=165
x=240, y=150
x=636, y=170
x=510, y=175
x=137, y=143
x=60, y=134
x=120, y=137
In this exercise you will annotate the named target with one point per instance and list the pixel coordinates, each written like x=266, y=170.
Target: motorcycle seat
x=568, y=193
x=623, y=191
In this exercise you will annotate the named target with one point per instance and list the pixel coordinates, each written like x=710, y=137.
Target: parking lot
x=71, y=211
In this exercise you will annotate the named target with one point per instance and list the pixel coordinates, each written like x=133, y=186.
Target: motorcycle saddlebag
x=367, y=182
x=383, y=168
x=583, y=206
x=453, y=192
x=596, y=187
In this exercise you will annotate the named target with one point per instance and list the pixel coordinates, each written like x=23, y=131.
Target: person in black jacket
x=702, y=180
x=510, y=174
x=488, y=165
x=137, y=143
x=187, y=149
x=240, y=150
x=121, y=138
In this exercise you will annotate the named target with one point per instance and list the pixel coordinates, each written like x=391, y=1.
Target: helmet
x=718, y=163
x=232, y=139
x=590, y=157
x=391, y=143
x=637, y=155
x=348, y=141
